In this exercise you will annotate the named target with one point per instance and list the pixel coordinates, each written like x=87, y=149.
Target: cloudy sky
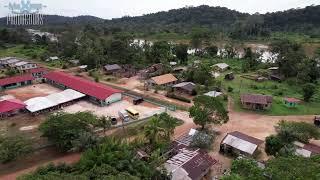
x=117, y=8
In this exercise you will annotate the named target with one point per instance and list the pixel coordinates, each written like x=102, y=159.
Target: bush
x=180, y=98
x=202, y=140
x=230, y=89
x=66, y=130
x=273, y=145
x=12, y=148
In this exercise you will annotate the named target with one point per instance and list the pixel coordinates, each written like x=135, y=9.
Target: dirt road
x=259, y=126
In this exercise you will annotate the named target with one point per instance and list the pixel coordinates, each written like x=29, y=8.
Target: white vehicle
x=124, y=115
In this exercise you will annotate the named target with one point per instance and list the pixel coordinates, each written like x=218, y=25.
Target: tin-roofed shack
x=239, y=143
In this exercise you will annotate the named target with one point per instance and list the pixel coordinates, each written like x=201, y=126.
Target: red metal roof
x=292, y=100
x=37, y=70
x=11, y=105
x=16, y=79
x=84, y=86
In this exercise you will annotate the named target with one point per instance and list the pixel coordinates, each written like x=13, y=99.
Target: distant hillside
x=306, y=20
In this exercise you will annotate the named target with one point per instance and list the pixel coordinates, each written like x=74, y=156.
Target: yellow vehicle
x=134, y=114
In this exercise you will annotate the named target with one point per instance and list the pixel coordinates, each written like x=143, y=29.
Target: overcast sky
x=117, y=8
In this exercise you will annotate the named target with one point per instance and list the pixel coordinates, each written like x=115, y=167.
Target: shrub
x=202, y=140
x=180, y=98
x=230, y=89
x=12, y=148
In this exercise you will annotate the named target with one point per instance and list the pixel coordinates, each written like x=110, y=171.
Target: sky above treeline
x=109, y=9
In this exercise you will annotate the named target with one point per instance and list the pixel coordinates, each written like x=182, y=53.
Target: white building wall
x=114, y=98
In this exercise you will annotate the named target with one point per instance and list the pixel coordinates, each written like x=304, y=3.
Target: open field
x=278, y=90
x=31, y=91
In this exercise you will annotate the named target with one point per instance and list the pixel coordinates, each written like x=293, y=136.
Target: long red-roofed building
x=16, y=81
x=11, y=107
x=98, y=93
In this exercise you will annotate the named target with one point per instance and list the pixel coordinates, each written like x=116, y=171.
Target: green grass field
x=278, y=90
x=22, y=51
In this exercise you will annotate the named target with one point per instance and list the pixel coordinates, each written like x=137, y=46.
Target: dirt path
x=35, y=161
x=259, y=126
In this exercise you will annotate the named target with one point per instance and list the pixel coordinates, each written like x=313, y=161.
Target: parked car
x=114, y=121
x=124, y=115
x=138, y=100
x=317, y=121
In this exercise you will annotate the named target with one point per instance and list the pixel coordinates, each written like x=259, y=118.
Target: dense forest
x=215, y=19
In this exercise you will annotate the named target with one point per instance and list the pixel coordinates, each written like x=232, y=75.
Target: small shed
x=221, y=67
x=112, y=68
x=185, y=87
x=53, y=58
x=291, y=102
x=229, y=76
x=239, y=143
x=213, y=94
x=173, y=63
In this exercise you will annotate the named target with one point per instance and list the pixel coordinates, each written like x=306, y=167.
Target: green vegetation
x=292, y=167
x=12, y=148
x=278, y=90
x=288, y=132
x=108, y=158
x=72, y=132
x=159, y=129
x=208, y=110
x=112, y=159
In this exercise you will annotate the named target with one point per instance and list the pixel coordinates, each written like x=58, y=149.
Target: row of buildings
x=18, y=64
x=75, y=88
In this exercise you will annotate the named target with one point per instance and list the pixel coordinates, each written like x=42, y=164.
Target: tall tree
x=208, y=110
x=181, y=52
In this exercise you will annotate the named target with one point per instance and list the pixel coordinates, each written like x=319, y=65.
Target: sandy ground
x=259, y=126
x=28, y=92
x=134, y=84
x=145, y=109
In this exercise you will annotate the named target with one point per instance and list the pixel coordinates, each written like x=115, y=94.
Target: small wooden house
x=291, y=102
x=163, y=80
x=256, y=101
x=185, y=87
x=112, y=68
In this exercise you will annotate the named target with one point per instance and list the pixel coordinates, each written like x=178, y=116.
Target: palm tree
x=168, y=123
x=152, y=130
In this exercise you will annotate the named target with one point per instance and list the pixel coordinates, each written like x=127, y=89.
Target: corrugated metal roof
x=222, y=65
x=84, y=86
x=213, y=94
x=16, y=79
x=256, y=99
x=42, y=103
x=111, y=67
x=241, y=143
x=164, y=79
x=11, y=105
x=189, y=164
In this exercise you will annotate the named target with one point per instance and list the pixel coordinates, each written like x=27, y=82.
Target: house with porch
x=256, y=101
